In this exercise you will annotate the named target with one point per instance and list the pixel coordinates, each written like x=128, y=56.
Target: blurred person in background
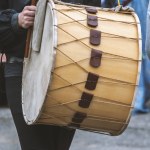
x=113, y=3
x=143, y=94
x=108, y=3
x=147, y=45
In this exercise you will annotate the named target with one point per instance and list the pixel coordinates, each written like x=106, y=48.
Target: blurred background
x=137, y=135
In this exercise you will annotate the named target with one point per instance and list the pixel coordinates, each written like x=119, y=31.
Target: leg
x=35, y=137
x=65, y=137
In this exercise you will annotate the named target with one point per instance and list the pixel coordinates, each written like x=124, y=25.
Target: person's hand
x=125, y=9
x=26, y=17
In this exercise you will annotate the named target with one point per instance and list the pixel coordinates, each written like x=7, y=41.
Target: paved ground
x=136, y=137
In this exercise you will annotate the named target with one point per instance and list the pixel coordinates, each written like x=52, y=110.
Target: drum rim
x=53, y=13
x=138, y=72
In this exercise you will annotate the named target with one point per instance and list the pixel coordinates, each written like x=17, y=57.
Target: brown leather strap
x=96, y=57
x=86, y=99
x=91, y=82
x=91, y=10
x=79, y=117
x=95, y=37
x=92, y=21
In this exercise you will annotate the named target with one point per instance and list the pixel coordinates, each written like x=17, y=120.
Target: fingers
x=118, y=8
x=129, y=9
x=29, y=13
x=30, y=8
x=121, y=8
x=26, y=17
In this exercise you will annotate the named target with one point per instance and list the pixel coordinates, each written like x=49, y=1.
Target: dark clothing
x=109, y=3
x=96, y=3
x=3, y=102
x=35, y=137
x=113, y=3
x=12, y=38
x=85, y=2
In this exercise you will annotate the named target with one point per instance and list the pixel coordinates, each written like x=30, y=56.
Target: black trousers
x=35, y=137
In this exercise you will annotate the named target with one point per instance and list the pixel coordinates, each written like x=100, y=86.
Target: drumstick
x=33, y=2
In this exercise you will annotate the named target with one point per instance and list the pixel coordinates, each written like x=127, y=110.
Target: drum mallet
x=33, y=2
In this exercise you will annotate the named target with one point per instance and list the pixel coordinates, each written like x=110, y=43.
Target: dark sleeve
x=3, y=4
x=9, y=29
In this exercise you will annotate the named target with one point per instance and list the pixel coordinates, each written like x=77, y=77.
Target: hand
x=26, y=17
x=124, y=9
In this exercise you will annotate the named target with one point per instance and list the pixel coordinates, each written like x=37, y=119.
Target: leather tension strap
x=92, y=21
x=96, y=57
x=79, y=117
x=86, y=99
x=95, y=37
x=91, y=82
x=91, y=10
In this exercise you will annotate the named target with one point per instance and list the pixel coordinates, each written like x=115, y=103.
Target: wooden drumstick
x=26, y=54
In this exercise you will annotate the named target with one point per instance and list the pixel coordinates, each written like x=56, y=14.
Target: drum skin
x=61, y=83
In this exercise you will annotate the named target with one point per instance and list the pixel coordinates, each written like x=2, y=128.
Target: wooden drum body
x=82, y=74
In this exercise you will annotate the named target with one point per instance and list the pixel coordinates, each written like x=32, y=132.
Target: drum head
x=38, y=67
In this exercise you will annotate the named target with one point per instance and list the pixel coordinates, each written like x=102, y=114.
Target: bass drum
x=83, y=69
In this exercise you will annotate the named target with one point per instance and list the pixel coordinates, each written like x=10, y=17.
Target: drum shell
x=112, y=102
